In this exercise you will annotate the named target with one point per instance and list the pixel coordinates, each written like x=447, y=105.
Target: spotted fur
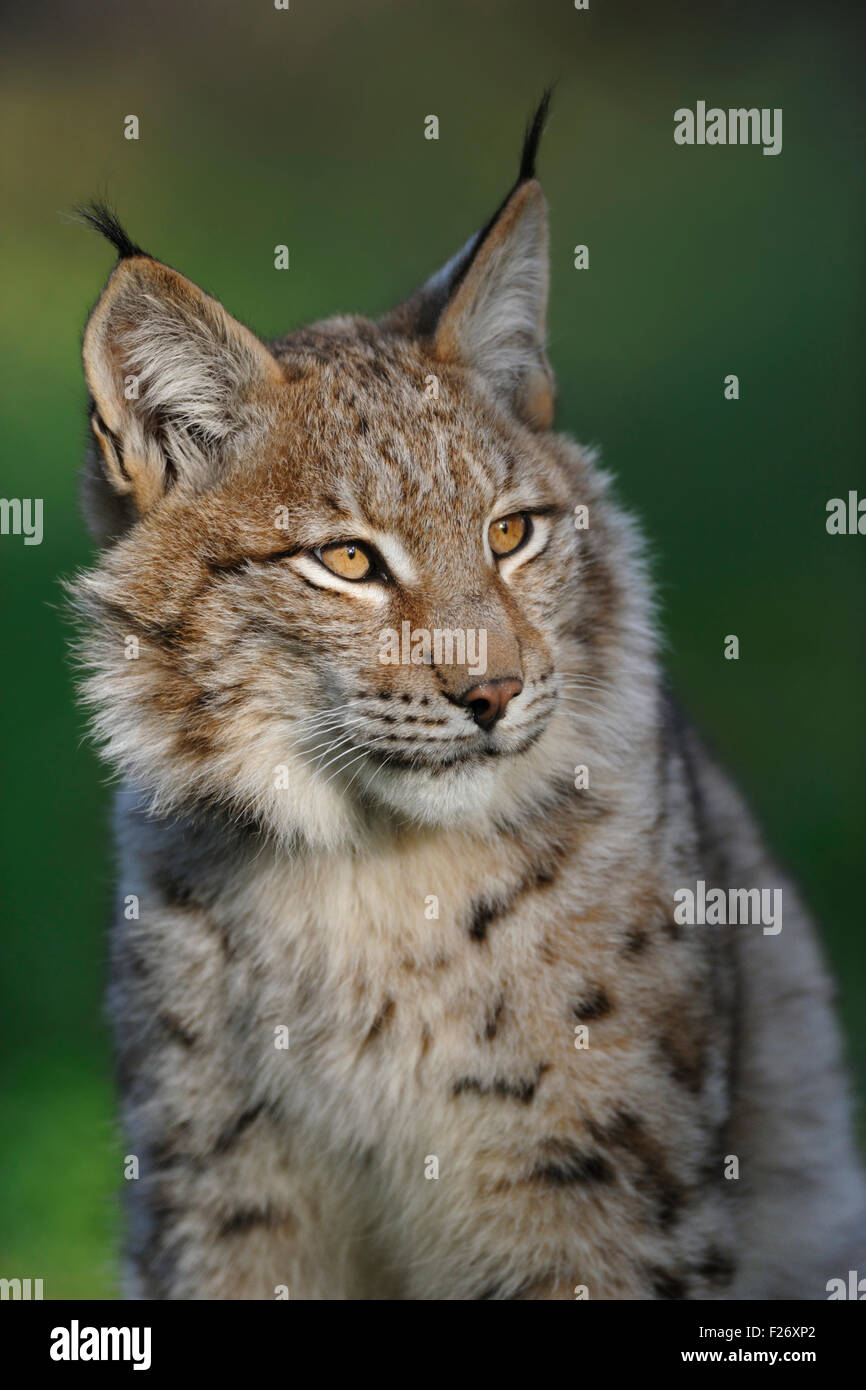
x=321, y=843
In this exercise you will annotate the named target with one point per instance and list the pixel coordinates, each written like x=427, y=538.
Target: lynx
x=402, y=1008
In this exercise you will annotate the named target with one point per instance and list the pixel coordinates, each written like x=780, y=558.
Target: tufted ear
x=173, y=377
x=496, y=321
x=487, y=307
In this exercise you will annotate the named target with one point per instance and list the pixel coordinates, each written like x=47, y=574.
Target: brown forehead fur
x=353, y=436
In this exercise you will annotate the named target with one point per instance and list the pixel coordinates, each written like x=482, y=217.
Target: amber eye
x=507, y=534
x=349, y=560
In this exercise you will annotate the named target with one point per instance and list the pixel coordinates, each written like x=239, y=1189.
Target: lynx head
x=341, y=583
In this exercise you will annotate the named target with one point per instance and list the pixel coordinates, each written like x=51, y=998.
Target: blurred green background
x=260, y=126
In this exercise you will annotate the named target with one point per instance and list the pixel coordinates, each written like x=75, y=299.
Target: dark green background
x=306, y=127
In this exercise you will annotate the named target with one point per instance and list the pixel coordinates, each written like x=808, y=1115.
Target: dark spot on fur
x=293, y=371
x=595, y=1004
x=491, y=1027
x=547, y=951
x=522, y=1090
x=653, y=1176
x=636, y=941
x=381, y=1022
x=540, y=875
x=173, y=891
x=717, y=1267
x=481, y=915
x=171, y=1024
x=169, y=1151
x=232, y=1133
x=246, y=1218
x=667, y=1285
x=684, y=1043
x=686, y=1063
x=565, y=1164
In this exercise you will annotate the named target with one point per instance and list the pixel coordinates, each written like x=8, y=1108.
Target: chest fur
x=554, y=1050
x=426, y=985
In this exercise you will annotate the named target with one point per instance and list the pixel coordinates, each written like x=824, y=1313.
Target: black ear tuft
x=103, y=219
x=534, y=132
x=420, y=314
x=531, y=140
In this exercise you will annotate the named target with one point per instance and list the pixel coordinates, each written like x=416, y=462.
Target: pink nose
x=489, y=702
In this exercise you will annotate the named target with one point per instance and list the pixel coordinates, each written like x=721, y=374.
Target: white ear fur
x=172, y=376
x=496, y=320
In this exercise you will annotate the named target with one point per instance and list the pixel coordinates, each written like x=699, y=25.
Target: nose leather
x=488, y=702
